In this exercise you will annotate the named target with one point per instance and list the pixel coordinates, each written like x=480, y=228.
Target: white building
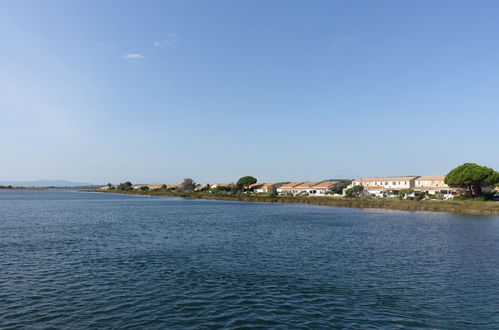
x=385, y=186
x=433, y=185
x=387, y=183
x=264, y=187
x=308, y=187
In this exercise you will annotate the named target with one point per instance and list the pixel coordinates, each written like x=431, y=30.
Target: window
x=386, y=183
x=394, y=183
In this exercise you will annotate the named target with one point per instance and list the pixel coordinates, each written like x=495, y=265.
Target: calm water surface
x=75, y=260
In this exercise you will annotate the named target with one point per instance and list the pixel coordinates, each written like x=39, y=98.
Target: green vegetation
x=245, y=182
x=455, y=206
x=472, y=177
x=220, y=189
x=125, y=186
x=404, y=193
x=339, y=188
x=355, y=191
x=272, y=193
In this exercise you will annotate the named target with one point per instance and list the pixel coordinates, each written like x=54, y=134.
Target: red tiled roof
x=291, y=185
x=326, y=184
x=306, y=185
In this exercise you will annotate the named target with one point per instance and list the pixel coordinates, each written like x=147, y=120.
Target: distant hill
x=44, y=183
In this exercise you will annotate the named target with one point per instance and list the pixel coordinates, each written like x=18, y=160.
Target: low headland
x=488, y=208
x=467, y=189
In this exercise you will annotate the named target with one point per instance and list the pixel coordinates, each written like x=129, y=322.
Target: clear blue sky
x=155, y=91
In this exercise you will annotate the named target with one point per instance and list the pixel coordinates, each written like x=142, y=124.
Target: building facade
x=308, y=187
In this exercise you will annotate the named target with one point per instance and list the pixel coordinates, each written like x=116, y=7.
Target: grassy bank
x=463, y=207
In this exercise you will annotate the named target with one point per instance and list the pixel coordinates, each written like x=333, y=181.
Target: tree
x=405, y=193
x=245, y=181
x=125, y=186
x=472, y=177
x=338, y=189
x=354, y=191
x=144, y=188
x=188, y=184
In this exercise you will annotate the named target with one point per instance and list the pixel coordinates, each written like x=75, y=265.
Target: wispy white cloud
x=132, y=56
x=168, y=42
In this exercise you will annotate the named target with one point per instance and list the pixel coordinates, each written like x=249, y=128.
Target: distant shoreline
x=489, y=208
x=24, y=188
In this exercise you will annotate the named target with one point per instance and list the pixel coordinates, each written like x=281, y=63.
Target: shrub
x=419, y=195
x=272, y=193
x=436, y=196
x=404, y=193
x=245, y=181
x=355, y=191
x=126, y=186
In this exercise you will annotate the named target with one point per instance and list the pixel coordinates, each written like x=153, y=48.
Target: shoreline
x=25, y=188
x=489, y=208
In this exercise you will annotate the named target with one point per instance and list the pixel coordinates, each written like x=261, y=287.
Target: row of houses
x=376, y=186
x=150, y=186
x=383, y=186
x=308, y=187
x=299, y=187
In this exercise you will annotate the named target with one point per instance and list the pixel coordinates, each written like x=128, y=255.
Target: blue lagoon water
x=74, y=260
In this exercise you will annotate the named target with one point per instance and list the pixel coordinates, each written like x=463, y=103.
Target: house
x=289, y=188
x=308, y=187
x=322, y=187
x=434, y=185
x=391, y=185
x=385, y=185
x=267, y=187
x=155, y=186
x=264, y=187
x=222, y=185
x=430, y=181
x=376, y=191
x=255, y=186
x=150, y=186
x=393, y=182
x=202, y=187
